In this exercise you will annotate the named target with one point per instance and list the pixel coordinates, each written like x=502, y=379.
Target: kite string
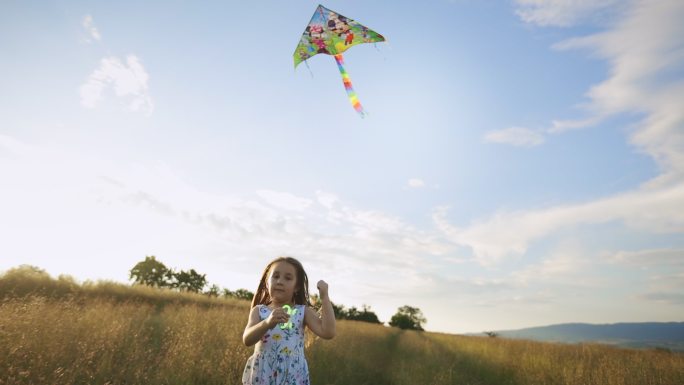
x=309, y=68
x=348, y=86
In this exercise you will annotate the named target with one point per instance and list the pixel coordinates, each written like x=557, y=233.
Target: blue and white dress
x=278, y=357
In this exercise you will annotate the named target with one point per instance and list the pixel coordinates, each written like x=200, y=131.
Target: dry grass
x=81, y=342
x=58, y=332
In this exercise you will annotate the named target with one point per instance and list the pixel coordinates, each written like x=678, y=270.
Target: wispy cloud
x=14, y=147
x=112, y=204
x=416, y=183
x=644, y=52
x=559, y=126
x=646, y=62
x=337, y=235
x=86, y=208
x=670, y=298
x=510, y=233
x=666, y=288
x=128, y=80
x=560, y=13
x=283, y=200
x=89, y=25
x=551, y=269
x=516, y=136
x=649, y=257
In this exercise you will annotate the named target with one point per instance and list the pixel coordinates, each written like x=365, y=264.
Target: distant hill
x=668, y=335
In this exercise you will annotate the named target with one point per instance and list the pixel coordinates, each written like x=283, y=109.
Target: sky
x=521, y=163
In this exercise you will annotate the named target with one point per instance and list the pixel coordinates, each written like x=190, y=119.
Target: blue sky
x=522, y=162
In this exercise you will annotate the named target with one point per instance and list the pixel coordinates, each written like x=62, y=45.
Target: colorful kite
x=330, y=33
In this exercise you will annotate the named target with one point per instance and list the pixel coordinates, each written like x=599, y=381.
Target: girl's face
x=282, y=280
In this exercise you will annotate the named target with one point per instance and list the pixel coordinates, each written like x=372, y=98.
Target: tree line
x=152, y=272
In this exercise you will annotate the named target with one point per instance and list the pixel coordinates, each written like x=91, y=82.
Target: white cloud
x=14, y=147
x=90, y=28
x=569, y=265
x=516, y=136
x=643, y=49
x=283, y=200
x=550, y=268
x=645, y=54
x=671, y=298
x=84, y=208
x=526, y=137
x=96, y=217
x=129, y=81
x=559, y=126
x=510, y=233
x=561, y=13
x=649, y=257
x=328, y=200
x=665, y=288
x=416, y=183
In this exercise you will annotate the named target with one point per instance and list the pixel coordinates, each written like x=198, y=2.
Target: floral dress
x=278, y=357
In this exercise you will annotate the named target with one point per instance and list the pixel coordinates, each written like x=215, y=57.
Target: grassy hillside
x=58, y=332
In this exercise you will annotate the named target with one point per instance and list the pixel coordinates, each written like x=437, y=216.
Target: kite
x=330, y=33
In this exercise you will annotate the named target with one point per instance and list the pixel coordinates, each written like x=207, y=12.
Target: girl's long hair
x=301, y=296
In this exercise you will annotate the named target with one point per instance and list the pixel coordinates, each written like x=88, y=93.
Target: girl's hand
x=322, y=288
x=277, y=316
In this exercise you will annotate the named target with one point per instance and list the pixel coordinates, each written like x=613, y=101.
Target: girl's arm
x=323, y=326
x=256, y=328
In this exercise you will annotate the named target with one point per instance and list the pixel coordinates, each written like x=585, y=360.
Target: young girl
x=280, y=310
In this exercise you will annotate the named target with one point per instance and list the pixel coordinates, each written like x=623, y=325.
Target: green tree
x=150, y=272
x=339, y=311
x=408, y=317
x=243, y=294
x=352, y=313
x=213, y=291
x=365, y=315
x=316, y=304
x=189, y=281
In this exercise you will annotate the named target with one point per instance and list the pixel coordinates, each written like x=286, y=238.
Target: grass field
x=59, y=332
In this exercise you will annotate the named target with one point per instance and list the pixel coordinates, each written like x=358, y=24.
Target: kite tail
x=348, y=86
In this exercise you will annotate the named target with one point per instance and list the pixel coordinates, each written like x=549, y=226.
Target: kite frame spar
x=324, y=34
